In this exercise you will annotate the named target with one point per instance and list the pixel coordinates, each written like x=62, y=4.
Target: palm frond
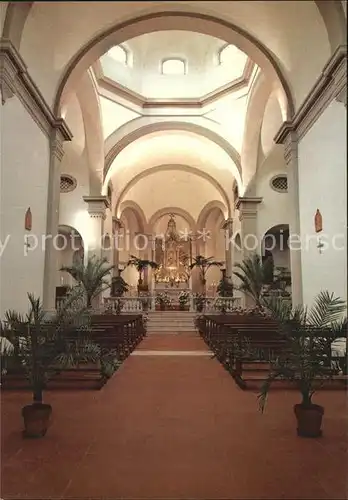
x=326, y=309
x=91, y=276
x=252, y=274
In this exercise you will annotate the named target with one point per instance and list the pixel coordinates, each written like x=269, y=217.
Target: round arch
x=140, y=127
x=174, y=20
x=256, y=106
x=87, y=95
x=69, y=232
x=172, y=210
x=332, y=15
x=275, y=229
x=206, y=210
x=185, y=168
x=137, y=210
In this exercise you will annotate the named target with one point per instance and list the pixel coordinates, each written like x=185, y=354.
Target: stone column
x=97, y=206
x=52, y=220
x=228, y=227
x=247, y=207
x=289, y=138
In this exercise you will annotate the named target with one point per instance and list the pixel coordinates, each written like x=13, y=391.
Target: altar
x=173, y=255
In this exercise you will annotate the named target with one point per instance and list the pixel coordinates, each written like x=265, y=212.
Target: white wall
x=24, y=179
x=72, y=209
x=274, y=209
x=323, y=185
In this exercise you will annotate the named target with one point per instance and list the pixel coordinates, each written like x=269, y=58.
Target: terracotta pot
x=162, y=307
x=36, y=419
x=309, y=419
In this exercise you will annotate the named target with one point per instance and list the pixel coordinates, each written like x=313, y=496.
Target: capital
x=97, y=206
x=247, y=207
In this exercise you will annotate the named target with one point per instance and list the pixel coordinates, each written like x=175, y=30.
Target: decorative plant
x=163, y=300
x=92, y=276
x=254, y=275
x=307, y=359
x=184, y=297
x=41, y=346
x=118, y=286
x=141, y=265
x=6, y=347
x=203, y=264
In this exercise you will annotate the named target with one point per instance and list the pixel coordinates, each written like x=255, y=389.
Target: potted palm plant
x=307, y=359
x=203, y=264
x=91, y=277
x=141, y=265
x=118, y=285
x=254, y=275
x=40, y=346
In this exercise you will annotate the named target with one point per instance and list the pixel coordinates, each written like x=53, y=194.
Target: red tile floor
x=173, y=427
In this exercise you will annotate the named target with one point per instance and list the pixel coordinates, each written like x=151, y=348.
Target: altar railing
x=129, y=305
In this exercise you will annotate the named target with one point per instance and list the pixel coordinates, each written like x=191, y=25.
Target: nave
x=171, y=423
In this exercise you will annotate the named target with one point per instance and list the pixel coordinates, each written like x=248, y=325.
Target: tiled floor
x=173, y=427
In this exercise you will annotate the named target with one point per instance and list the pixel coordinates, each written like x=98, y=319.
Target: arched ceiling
x=172, y=187
x=146, y=126
x=172, y=148
x=275, y=42
x=220, y=138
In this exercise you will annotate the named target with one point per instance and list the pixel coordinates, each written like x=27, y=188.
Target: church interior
x=173, y=203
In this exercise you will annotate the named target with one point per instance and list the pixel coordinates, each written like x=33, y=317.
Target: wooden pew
x=246, y=346
x=120, y=333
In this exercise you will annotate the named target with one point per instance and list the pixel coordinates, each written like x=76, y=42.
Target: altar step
x=170, y=322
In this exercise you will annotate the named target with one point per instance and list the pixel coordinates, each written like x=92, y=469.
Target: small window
x=228, y=54
x=119, y=54
x=280, y=183
x=173, y=67
x=67, y=183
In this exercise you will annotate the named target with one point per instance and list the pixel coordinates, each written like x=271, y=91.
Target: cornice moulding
x=15, y=80
x=143, y=102
x=331, y=84
x=246, y=200
x=97, y=199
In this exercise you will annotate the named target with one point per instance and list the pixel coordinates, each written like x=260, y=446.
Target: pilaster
x=97, y=206
x=248, y=208
x=15, y=81
x=52, y=221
